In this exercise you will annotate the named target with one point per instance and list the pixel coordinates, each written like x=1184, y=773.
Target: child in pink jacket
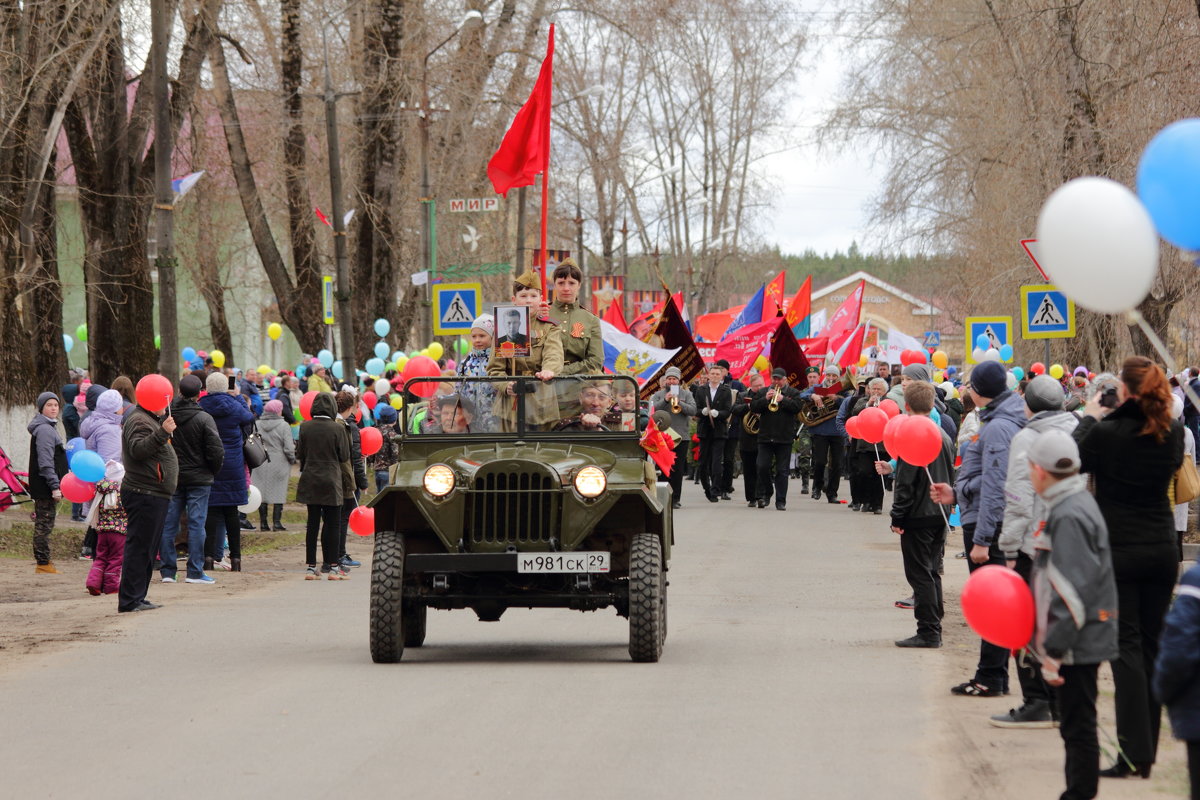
x=110, y=523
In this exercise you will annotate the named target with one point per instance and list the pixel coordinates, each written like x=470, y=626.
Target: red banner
x=643, y=301
x=606, y=290
x=745, y=345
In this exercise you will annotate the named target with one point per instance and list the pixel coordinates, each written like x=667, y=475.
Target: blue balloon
x=935, y=416
x=88, y=466
x=1168, y=182
x=375, y=366
x=981, y=341
x=951, y=370
x=326, y=359
x=76, y=445
x=955, y=518
x=382, y=328
x=1019, y=372
x=188, y=353
x=382, y=350
x=1006, y=353
x=68, y=342
x=301, y=370
x=336, y=369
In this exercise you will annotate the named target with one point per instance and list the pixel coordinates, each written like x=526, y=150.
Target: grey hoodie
x=44, y=441
x=1024, y=510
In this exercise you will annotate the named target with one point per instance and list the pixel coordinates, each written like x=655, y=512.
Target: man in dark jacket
x=662, y=401
x=714, y=400
x=347, y=401
x=828, y=442
x=746, y=423
x=1177, y=670
x=198, y=448
x=777, y=406
x=151, y=475
x=322, y=451
x=729, y=453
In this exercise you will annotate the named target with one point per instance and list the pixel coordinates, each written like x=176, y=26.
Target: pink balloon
x=889, y=407
x=999, y=606
x=919, y=441
x=871, y=422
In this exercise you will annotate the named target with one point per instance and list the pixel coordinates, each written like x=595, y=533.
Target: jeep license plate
x=562, y=562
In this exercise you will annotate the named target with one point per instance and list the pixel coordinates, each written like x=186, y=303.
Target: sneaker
x=919, y=641
x=348, y=562
x=906, y=603
x=324, y=568
x=337, y=573
x=973, y=689
x=223, y=564
x=86, y=554
x=203, y=580
x=1034, y=714
x=311, y=573
x=855, y=506
x=168, y=579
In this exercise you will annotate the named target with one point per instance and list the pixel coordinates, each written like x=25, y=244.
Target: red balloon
x=362, y=521
x=153, y=393
x=905, y=357
x=1037, y=368
x=76, y=490
x=889, y=407
x=422, y=367
x=919, y=441
x=372, y=440
x=999, y=606
x=371, y=399
x=852, y=428
x=871, y=422
x=890, y=433
x=306, y=402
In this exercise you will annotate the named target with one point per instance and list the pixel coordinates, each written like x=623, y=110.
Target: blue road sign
x=455, y=306
x=999, y=332
x=933, y=339
x=1046, y=313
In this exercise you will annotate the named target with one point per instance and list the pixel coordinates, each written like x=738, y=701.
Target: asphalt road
x=779, y=680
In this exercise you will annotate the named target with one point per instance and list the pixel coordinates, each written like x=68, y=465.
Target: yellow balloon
x=263, y=369
x=274, y=330
x=436, y=350
x=400, y=362
x=761, y=363
x=938, y=376
x=425, y=353
x=1056, y=371
x=218, y=358
x=397, y=402
x=940, y=359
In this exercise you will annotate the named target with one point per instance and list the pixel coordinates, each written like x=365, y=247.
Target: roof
x=922, y=307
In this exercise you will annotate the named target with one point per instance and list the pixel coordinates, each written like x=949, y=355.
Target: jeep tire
x=387, y=603
x=647, y=596
x=414, y=613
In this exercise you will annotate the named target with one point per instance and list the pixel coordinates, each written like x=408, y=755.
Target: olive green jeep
x=520, y=493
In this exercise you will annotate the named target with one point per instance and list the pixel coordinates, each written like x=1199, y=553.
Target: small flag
x=322, y=217
x=181, y=186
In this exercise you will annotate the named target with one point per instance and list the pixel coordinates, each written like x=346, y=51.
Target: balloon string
x=882, y=482
x=1136, y=317
x=941, y=508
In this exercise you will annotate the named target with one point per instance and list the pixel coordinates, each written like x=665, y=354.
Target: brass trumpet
x=775, y=398
x=674, y=400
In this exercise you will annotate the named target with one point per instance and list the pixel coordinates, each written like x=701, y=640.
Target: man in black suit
x=714, y=400
x=512, y=330
x=731, y=442
x=777, y=429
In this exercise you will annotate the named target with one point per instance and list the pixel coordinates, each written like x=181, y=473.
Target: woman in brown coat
x=323, y=452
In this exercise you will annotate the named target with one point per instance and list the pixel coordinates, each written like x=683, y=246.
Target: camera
x=1108, y=397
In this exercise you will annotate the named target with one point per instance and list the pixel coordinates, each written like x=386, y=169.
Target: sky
x=822, y=196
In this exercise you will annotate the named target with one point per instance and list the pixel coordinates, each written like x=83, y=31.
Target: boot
x=262, y=518
x=278, y=516
x=235, y=564
x=208, y=564
x=47, y=568
x=804, y=484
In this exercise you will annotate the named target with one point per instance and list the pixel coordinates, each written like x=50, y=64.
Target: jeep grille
x=513, y=508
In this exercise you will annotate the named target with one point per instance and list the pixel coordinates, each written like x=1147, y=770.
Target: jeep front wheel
x=646, y=598
x=387, y=604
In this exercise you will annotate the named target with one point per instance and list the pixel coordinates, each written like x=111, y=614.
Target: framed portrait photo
x=512, y=331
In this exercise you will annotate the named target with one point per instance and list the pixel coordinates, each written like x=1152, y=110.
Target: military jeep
x=519, y=493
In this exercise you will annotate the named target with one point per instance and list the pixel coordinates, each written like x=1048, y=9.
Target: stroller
x=12, y=484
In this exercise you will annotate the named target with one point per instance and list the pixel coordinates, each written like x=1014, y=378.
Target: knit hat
x=673, y=372
x=386, y=414
x=1043, y=394
x=832, y=369
x=989, y=379
x=216, y=383
x=1055, y=451
x=190, y=386
x=485, y=323
x=44, y=398
x=918, y=372
x=273, y=407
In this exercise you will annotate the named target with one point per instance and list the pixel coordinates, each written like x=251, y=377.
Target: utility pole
x=343, y=294
x=164, y=198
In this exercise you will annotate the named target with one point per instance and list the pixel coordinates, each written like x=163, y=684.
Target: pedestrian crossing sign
x=455, y=307
x=998, y=330
x=1046, y=313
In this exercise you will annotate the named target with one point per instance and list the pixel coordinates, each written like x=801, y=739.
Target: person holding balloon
x=47, y=466
x=354, y=479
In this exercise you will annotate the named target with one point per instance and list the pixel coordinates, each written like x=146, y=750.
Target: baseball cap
x=1056, y=452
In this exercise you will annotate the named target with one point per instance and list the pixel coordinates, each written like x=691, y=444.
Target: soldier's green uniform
x=582, y=342
x=545, y=354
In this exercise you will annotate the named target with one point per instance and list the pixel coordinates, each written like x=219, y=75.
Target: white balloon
x=977, y=355
x=253, y=500
x=1011, y=380
x=992, y=354
x=1098, y=244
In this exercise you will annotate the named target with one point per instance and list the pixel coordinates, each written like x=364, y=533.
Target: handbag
x=253, y=451
x=1187, y=481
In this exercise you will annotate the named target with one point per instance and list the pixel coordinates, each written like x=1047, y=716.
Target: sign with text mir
x=474, y=204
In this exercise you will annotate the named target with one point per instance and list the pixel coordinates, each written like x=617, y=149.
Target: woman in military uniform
x=582, y=343
x=545, y=360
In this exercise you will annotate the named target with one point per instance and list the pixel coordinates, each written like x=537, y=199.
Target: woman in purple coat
x=234, y=419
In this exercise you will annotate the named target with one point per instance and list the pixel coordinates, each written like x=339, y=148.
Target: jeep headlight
x=591, y=482
x=439, y=480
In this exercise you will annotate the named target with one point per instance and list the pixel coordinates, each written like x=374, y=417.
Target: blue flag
x=749, y=315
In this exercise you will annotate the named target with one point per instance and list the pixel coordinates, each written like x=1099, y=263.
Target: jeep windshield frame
x=523, y=407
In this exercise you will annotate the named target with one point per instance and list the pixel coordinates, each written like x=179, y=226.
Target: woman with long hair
x=1132, y=452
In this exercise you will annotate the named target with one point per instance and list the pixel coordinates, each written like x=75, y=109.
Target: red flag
x=322, y=217
x=659, y=446
x=740, y=349
x=801, y=308
x=773, y=297
x=846, y=347
x=614, y=317
x=847, y=316
x=525, y=149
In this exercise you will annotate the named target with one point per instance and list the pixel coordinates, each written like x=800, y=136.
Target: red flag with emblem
x=659, y=447
x=773, y=297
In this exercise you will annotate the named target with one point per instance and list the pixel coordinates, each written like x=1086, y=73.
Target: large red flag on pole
x=848, y=314
x=525, y=149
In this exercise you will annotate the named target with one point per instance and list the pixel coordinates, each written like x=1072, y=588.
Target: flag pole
x=545, y=210
x=546, y=162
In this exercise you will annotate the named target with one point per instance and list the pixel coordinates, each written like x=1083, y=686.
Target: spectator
x=47, y=465
x=355, y=480
x=1189, y=450
x=101, y=432
x=111, y=522
x=200, y=454
x=680, y=422
x=272, y=477
x=323, y=452
x=289, y=396
x=233, y=418
x=124, y=386
x=1133, y=453
x=1177, y=670
x=318, y=379
x=151, y=475
x=389, y=451
x=252, y=390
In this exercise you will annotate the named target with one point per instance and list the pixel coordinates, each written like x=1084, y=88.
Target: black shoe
x=146, y=605
x=86, y=554
x=247, y=525
x=264, y=527
x=919, y=641
x=278, y=527
x=833, y=500
x=781, y=506
x=804, y=487
x=751, y=504
x=1122, y=769
x=712, y=498
x=877, y=510
x=760, y=503
x=1034, y=714
x=816, y=493
x=726, y=497
x=855, y=506
x=677, y=504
